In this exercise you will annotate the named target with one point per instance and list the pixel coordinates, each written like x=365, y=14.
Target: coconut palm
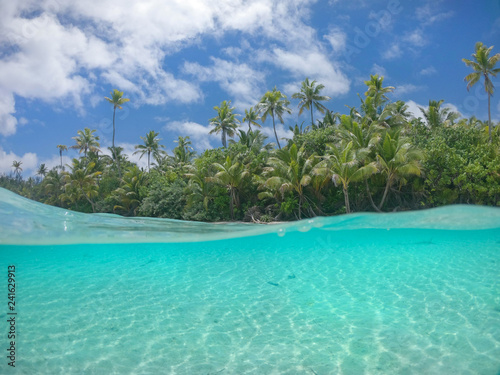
x=253, y=140
x=310, y=98
x=42, y=170
x=251, y=117
x=289, y=170
x=231, y=174
x=53, y=186
x=117, y=100
x=61, y=149
x=364, y=138
x=184, y=152
x=397, y=159
x=16, y=164
x=151, y=146
x=128, y=194
x=330, y=119
x=81, y=182
x=483, y=66
x=399, y=114
x=437, y=116
x=377, y=91
x=343, y=163
x=85, y=141
x=274, y=103
x=225, y=122
x=199, y=187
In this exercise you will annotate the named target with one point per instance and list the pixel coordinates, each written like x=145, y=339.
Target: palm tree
x=231, y=175
x=437, y=116
x=42, y=170
x=117, y=100
x=364, y=138
x=225, y=122
x=199, y=186
x=61, y=149
x=53, y=186
x=252, y=117
x=483, y=66
x=310, y=98
x=17, y=168
x=289, y=170
x=343, y=164
x=119, y=157
x=397, y=159
x=399, y=113
x=184, y=152
x=128, y=195
x=82, y=183
x=151, y=146
x=377, y=90
x=274, y=103
x=253, y=140
x=330, y=119
x=85, y=141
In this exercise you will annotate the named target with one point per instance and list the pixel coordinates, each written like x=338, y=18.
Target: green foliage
x=374, y=158
x=164, y=199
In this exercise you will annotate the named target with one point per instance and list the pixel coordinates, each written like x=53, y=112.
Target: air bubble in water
x=281, y=232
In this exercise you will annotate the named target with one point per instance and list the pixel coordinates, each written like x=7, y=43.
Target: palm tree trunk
x=389, y=180
x=113, y=145
x=346, y=200
x=276, y=134
x=489, y=117
x=149, y=154
x=370, y=197
x=231, y=206
x=312, y=119
x=224, y=138
x=60, y=154
x=113, y=139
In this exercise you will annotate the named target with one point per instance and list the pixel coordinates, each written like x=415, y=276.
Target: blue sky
x=176, y=60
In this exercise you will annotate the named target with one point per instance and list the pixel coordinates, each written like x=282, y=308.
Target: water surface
x=406, y=293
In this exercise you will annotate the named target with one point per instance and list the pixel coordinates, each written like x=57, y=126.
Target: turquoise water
x=406, y=293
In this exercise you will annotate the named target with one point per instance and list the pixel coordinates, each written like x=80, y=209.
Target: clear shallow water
x=361, y=294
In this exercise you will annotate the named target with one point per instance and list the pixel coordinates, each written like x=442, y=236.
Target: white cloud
x=380, y=70
x=129, y=149
x=393, y=52
x=59, y=55
x=199, y=134
x=416, y=38
x=408, y=88
x=315, y=66
x=54, y=161
x=452, y=107
x=337, y=39
x=8, y=122
x=429, y=13
x=428, y=71
x=23, y=121
x=243, y=83
x=29, y=162
x=413, y=108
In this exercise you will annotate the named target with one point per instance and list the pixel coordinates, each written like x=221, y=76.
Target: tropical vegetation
x=376, y=157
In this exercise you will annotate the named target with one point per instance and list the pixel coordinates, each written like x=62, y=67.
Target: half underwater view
x=398, y=293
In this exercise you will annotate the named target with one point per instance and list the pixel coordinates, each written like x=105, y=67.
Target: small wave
x=25, y=222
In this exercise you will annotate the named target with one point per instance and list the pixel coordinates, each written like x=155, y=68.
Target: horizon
x=59, y=60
